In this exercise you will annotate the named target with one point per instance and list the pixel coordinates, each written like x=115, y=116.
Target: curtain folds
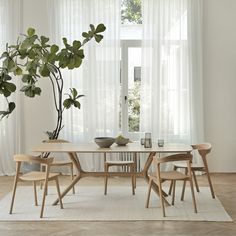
x=98, y=77
x=10, y=128
x=171, y=90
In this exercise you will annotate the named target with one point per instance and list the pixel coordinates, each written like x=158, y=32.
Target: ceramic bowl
x=104, y=142
x=121, y=142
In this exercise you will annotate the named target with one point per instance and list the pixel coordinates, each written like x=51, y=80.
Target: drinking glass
x=160, y=142
x=148, y=140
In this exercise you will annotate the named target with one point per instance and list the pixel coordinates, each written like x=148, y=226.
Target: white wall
x=37, y=111
x=219, y=42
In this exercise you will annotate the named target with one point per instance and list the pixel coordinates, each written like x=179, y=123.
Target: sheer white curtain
x=9, y=127
x=98, y=77
x=171, y=100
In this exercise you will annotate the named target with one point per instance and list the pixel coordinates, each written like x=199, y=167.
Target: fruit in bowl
x=121, y=141
x=104, y=142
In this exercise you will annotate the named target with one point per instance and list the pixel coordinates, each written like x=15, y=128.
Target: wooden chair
x=68, y=162
x=203, y=149
x=35, y=176
x=128, y=165
x=159, y=177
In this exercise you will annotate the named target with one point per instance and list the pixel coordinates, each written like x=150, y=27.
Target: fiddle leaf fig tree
x=33, y=58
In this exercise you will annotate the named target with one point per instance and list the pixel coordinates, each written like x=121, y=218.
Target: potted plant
x=32, y=58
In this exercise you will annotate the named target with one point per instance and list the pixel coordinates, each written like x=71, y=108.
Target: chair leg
x=161, y=199
x=44, y=196
x=59, y=193
x=173, y=192
x=184, y=185
x=170, y=188
x=193, y=196
x=135, y=168
x=106, y=178
x=210, y=183
x=133, y=179
x=149, y=193
x=41, y=170
x=209, y=178
x=13, y=194
x=171, y=183
x=195, y=181
x=72, y=177
x=35, y=194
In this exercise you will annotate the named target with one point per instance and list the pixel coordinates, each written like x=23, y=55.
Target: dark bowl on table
x=104, y=142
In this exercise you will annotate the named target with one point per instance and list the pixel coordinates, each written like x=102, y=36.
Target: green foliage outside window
x=134, y=107
x=131, y=12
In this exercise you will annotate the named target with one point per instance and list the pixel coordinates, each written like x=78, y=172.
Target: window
x=131, y=32
x=130, y=87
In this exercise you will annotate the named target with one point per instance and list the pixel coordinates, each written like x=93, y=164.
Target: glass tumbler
x=148, y=140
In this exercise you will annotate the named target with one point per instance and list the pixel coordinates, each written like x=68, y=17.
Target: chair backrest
x=32, y=159
x=173, y=158
x=203, y=149
x=55, y=141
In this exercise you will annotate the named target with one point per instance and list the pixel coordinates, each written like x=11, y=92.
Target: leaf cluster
x=73, y=99
x=33, y=57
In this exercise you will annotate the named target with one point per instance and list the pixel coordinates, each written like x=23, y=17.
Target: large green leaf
x=11, y=106
x=54, y=48
x=44, y=39
x=78, y=61
x=10, y=87
x=98, y=38
x=31, y=54
x=18, y=71
x=26, y=78
x=74, y=92
x=9, y=64
x=100, y=28
x=77, y=104
x=71, y=64
x=92, y=27
x=44, y=71
x=67, y=103
x=7, y=77
x=76, y=44
x=31, y=31
x=85, y=35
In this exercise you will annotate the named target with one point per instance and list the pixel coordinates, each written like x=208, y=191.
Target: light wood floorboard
x=225, y=189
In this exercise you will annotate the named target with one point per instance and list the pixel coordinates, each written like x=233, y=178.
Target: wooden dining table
x=75, y=149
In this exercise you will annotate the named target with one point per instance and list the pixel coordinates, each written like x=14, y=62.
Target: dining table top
x=91, y=147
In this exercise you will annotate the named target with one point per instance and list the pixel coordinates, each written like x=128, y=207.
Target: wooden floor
x=225, y=188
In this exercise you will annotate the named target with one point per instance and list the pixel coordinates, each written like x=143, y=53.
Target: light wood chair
x=127, y=165
x=56, y=163
x=35, y=176
x=203, y=149
x=160, y=176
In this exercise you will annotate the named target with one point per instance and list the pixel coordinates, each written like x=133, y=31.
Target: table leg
x=145, y=175
x=75, y=160
x=75, y=180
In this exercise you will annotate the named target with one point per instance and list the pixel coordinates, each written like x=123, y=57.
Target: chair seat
x=119, y=163
x=37, y=176
x=170, y=175
x=184, y=165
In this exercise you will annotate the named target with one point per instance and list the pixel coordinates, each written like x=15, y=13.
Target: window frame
x=125, y=45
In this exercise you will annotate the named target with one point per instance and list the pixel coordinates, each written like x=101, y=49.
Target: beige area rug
x=90, y=204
